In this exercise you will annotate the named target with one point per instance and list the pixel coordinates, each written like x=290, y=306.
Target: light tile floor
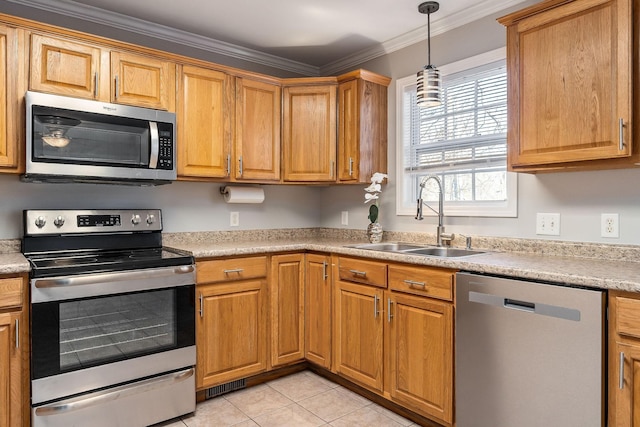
x=301, y=399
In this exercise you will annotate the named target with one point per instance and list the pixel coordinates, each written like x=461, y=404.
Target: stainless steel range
x=112, y=319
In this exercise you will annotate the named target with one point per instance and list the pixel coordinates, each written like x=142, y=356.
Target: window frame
x=505, y=209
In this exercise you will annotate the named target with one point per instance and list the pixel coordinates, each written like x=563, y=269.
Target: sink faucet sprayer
x=441, y=236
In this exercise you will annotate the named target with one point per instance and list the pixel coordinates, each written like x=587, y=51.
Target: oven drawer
x=225, y=270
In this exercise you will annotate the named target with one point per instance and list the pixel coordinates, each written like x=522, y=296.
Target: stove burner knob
x=135, y=219
x=151, y=218
x=40, y=222
x=59, y=221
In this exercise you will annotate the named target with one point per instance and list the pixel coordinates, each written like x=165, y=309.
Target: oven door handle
x=124, y=276
x=97, y=398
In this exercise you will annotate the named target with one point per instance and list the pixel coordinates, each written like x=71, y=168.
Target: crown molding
x=116, y=20
x=466, y=16
x=163, y=32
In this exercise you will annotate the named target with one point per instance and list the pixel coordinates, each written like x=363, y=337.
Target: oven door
x=99, y=330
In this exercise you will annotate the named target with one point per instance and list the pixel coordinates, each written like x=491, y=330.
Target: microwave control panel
x=165, y=153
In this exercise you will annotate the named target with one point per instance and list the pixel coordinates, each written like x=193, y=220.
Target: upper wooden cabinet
x=362, y=125
x=229, y=127
x=257, y=136
x=205, y=123
x=12, y=87
x=570, y=85
x=309, y=131
x=73, y=68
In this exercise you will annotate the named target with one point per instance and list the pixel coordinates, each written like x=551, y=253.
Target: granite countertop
x=568, y=270
x=568, y=263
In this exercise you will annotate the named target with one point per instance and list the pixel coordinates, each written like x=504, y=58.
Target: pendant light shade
x=428, y=90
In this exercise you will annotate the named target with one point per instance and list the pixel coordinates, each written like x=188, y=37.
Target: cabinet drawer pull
x=233, y=270
x=621, y=134
x=621, y=373
x=358, y=273
x=412, y=283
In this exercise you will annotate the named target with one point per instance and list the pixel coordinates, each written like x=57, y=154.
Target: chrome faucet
x=441, y=236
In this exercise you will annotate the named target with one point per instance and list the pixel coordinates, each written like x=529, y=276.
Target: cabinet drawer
x=362, y=271
x=425, y=281
x=11, y=292
x=225, y=270
x=628, y=316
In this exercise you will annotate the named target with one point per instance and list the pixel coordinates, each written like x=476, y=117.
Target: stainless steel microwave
x=79, y=140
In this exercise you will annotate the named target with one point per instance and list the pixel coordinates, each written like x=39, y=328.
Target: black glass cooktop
x=85, y=262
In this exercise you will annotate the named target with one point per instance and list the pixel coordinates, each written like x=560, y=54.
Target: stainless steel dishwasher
x=528, y=354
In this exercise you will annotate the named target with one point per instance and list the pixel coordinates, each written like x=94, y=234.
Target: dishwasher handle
x=530, y=307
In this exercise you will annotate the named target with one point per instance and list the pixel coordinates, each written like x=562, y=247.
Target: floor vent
x=225, y=388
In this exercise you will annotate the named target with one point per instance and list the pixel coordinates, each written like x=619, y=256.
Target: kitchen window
x=463, y=141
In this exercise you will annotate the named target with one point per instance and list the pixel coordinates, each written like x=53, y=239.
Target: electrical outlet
x=234, y=219
x=548, y=224
x=345, y=218
x=609, y=225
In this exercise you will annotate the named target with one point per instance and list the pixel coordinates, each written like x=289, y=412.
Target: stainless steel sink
x=388, y=246
x=417, y=249
x=443, y=252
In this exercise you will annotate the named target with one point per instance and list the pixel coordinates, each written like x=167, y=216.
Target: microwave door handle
x=155, y=145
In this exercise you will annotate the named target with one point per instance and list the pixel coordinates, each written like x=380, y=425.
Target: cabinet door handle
x=621, y=134
x=333, y=167
x=350, y=166
x=117, y=87
x=358, y=273
x=240, y=166
x=412, y=283
x=17, y=333
x=201, y=305
x=233, y=270
x=621, y=373
x=95, y=84
x=228, y=164
x=389, y=315
x=324, y=271
x=375, y=307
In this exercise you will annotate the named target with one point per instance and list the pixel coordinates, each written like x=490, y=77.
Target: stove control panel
x=37, y=222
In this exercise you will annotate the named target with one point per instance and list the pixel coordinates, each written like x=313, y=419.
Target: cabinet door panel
x=143, y=81
x=420, y=354
x=65, y=67
x=231, y=332
x=287, y=309
x=11, y=398
x=309, y=133
x=11, y=92
x=205, y=120
x=359, y=334
x=318, y=310
x=258, y=115
x=571, y=85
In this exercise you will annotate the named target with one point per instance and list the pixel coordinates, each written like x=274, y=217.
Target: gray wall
x=580, y=197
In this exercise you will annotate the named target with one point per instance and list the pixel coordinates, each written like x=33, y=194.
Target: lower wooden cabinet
x=393, y=333
x=287, y=308
x=420, y=354
x=317, y=309
x=231, y=320
x=624, y=359
x=14, y=352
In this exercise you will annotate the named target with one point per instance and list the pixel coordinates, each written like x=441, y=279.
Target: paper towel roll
x=243, y=194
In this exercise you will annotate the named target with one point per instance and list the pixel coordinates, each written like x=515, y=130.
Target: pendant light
x=429, y=77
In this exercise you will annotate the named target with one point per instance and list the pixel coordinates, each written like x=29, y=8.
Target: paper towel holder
x=227, y=192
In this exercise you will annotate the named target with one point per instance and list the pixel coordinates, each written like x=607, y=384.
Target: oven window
x=96, y=331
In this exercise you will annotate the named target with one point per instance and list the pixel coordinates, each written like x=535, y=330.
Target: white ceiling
x=311, y=37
